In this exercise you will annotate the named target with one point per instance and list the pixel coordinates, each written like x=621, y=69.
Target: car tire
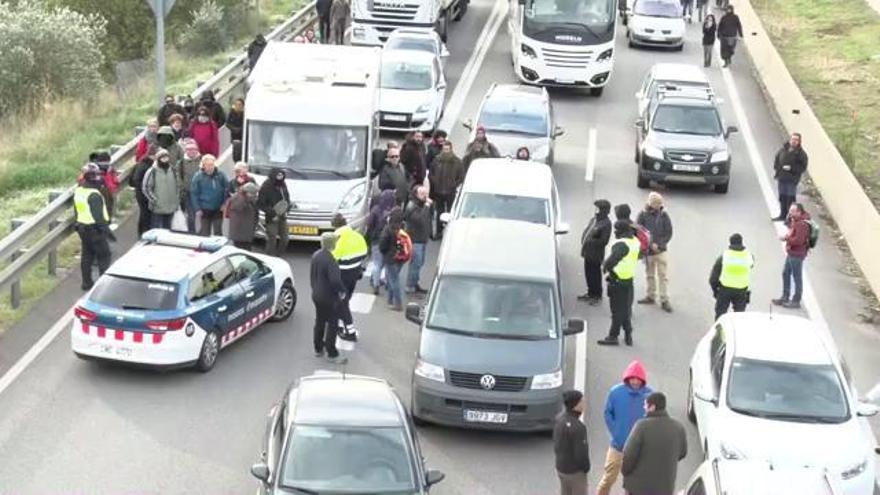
x=722, y=188
x=209, y=353
x=642, y=182
x=462, y=8
x=416, y=420
x=286, y=302
x=443, y=27
x=691, y=413
x=597, y=92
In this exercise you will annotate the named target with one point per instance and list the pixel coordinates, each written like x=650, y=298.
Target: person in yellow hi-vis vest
x=92, y=223
x=350, y=252
x=731, y=277
x=620, y=267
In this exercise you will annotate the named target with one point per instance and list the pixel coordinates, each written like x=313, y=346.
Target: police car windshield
x=133, y=293
x=686, y=119
x=342, y=459
x=494, y=308
x=487, y=205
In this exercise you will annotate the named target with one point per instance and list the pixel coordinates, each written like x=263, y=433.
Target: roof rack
x=163, y=237
x=664, y=90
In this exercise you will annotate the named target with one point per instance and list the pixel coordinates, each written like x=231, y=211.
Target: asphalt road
x=68, y=426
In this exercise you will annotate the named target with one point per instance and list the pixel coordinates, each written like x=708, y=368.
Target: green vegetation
x=831, y=49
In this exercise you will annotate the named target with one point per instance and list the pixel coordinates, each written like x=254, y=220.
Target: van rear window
x=134, y=293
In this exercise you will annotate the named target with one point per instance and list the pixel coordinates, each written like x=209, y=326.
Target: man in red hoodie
x=797, y=244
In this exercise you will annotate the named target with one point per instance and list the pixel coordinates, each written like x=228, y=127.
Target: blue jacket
x=208, y=192
x=625, y=405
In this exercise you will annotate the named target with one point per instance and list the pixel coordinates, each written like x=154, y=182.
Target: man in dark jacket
x=570, y=445
x=274, y=201
x=413, y=156
x=215, y=109
x=379, y=158
x=731, y=277
x=620, y=268
x=417, y=219
x=255, y=49
x=393, y=177
x=447, y=174
x=729, y=30
x=789, y=165
x=653, y=450
x=208, y=194
x=593, y=241
x=327, y=292
x=435, y=147
x=797, y=245
x=656, y=220
x=170, y=108
x=322, y=8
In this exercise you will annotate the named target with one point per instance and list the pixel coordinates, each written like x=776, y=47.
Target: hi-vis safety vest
x=625, y=269
x=81, y=205
x=736, y=268
x=351, y=248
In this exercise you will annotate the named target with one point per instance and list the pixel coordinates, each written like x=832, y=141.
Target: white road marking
x=471, y=69
x=591, y=156
x=811, y=304
x=361, y=302
x=35, y=350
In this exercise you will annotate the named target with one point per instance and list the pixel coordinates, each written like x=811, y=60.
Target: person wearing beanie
x=242, y=211
x=480, y=147
x=656, y=220
x=620, y=268
x=652, y=452
x=162, y=187
x=570, y=445
x=593, y=241
x=136, y=181
x=731, y=276
x=351, y=252
x=327, y=291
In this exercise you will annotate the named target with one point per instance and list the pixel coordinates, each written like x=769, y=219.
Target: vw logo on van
x=487, y=382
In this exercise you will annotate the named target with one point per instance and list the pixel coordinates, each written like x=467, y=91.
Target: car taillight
x=166, y=325
x=84, y=314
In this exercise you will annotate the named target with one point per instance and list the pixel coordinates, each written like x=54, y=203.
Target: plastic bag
x=178, y=221
x=344, y=345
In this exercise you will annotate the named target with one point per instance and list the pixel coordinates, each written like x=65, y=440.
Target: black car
x=336, y=433
x=683, y=139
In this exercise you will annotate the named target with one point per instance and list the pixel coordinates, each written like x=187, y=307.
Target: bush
x=207, y=33
x=47, y=52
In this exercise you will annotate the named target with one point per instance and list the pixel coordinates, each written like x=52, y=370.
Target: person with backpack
x=417, y=218
x=797, y=245
x=376, y=221
x=396, y=248
x=643, y=235
x=620, y=267
x=655, y=219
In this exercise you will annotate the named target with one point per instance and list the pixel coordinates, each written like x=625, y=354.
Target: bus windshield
x=590, y=21
x=309, y=151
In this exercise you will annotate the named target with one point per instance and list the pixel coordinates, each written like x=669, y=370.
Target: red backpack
x=402, y=247
x=644, y=237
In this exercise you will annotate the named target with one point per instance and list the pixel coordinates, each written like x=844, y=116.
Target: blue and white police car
x=176, y=300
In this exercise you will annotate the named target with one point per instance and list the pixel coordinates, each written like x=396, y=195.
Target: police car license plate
x=395, y=118
x=484, y=416
x=685, y=168
x=303, y=230
x=115, y=351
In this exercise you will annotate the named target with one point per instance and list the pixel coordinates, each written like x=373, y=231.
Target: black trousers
x=726, y=297
x=620, y=297
x=442, y=204
x=326, y=318
x=145, y=217
x=593, y=275
x=95, y=247
x=324, y=28
x=349, y=280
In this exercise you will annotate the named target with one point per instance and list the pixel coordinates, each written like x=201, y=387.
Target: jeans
x=392, y=282
x=707, y=55
x=161, y=220
x=378, y=262
x=687, y=7
x=442, y=204
x=190, y=213
x=415, y=265
x=793, y=270
x=144, y=215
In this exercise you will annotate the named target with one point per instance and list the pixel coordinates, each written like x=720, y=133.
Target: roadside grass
x=831, y=48
x=43, y=152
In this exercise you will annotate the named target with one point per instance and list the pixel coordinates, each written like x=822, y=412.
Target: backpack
x=644, y=237
x=402, y=247
x=814, y=233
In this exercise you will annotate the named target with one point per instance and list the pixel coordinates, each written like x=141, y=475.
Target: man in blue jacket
x=625, y=405
x=208, y=193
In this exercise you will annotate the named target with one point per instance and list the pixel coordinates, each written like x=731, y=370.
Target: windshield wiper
x=297, y=489
x=670, y=131
x=334, y=173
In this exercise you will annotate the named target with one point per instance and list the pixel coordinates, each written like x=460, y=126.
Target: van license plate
x=395, y=118
x=303, y=230
x=685, y=168
x=565, y=81
x=484, y=417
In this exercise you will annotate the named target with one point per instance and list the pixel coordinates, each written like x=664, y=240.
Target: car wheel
x=597, y=91
x=416, y=420
x=462, y=8
x=209, y=353
x=642, y=182
x=691, y=413
x=444, y=26
x=722, y=188
x=286, y=302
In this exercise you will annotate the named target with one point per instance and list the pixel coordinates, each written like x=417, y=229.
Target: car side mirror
x=731, y=129
x=467, y=124
x=562, y=228
x=433, y=476
x=446, y=217
x=414, y=313
x=640, y=123
x=575, y=326
x=703, y=396
x=558, y=131
x=260, y=471
x=866, y=409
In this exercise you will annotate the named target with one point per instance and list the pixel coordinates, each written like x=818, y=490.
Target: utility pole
x=160, y=10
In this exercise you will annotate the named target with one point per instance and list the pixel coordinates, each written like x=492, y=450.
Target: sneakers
x=628, y=339
x=792, y=305
x=646, y=300
x=419, y=290
x=595, y=301
x=319, y=354
x=782, y=301
x=666, y=306
x=608, y=341
x=583, y=297
x=395, y=307
x=337, y=359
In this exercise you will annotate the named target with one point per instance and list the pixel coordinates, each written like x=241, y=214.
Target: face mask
x=203, y=118
x=163, y=163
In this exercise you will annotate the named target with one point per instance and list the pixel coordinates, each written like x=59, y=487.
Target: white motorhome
x=563, y=42
x=312, y=110
x=373, y=20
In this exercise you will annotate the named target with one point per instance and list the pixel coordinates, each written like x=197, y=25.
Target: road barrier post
x=52, y=261
x=15, y=287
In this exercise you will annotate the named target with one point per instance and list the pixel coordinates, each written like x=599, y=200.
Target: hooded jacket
x=626, y=405
x=162, y=186
x=143, y=146
x=388, y=238
x=242, y=216
x=206, y=136
x=271, y=193
x=167, y=110
x=729, y=26
x=413, y=156
x=795, y=158
x=658, y=223
x=215, y=109
x=479, y=148
x=651, y=455
x=378, y=217
x=447, y=173
x=208, y=191
x=189, y=167
x=597, y=234
x=168, y=141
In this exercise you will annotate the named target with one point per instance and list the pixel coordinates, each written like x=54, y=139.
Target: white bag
x=343, y=345
x=178, y=221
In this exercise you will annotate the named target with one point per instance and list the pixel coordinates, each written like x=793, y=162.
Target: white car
x=656, y=23
x=175, y=300
x=774, y=388
x=732, y=477
x=425, y=40
x=667, y=75
x=412, y=91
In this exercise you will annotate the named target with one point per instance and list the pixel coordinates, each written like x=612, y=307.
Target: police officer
x=350, y=252
x=92, y=224
x=620, y=267
x=731, y=276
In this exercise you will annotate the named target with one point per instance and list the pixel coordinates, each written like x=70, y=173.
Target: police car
x=176, y=300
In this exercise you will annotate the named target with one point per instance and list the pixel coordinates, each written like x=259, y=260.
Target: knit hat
x=571, y=398
x=250, y=188
x=736, y=240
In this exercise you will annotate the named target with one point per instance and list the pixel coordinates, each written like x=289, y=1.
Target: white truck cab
x=373, y=20
x=312, y=110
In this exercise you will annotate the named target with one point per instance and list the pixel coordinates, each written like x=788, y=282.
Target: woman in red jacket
x=149, y=138
x=204, y=131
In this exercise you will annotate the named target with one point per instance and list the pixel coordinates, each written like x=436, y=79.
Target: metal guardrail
x=39, y=236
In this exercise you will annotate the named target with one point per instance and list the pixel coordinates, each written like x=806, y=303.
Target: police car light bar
x=164, y=237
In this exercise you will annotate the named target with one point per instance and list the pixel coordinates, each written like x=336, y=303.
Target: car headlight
x=547, y=380
x=430, y=371
x=854, y=470
x=731, y=453
x=354, y=197
x=652, y=151
x=606, y=55
x=423, y=108
x=528, y=51
x=720, y=156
